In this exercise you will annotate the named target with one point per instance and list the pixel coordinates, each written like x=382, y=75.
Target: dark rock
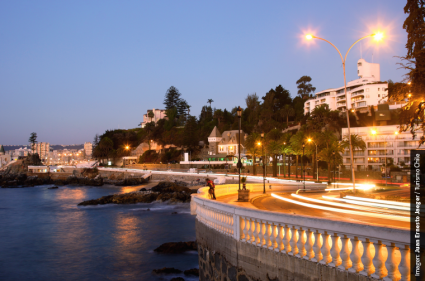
x=167, y=270
x=166, y=187
x=223, y=266
x=231, y=273
x=143, y=189
x=177, y=247
x=148, y=209
x=174, y=213
x=243, y=278
x=53, y=187
x=177, y=279
x=193, y=271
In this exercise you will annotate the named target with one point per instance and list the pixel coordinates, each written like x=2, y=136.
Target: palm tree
x=151, y=115
x=210, y=101
x=253, y=148
x=357, y=143
x=327, y=154
x=287, y=111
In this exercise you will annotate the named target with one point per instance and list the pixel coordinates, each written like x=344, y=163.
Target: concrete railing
x=375, y=251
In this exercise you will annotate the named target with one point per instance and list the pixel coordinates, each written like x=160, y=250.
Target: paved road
x=266, y=202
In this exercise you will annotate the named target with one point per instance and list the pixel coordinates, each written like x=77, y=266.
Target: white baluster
x=404, y=266
x=355, y=256
x=253, y=231
x=379, y=261
x=279, y=238
x=294, y=240
x=247, y=229
x=335, y=250
x=242, y=228
x=367, y=257
x=326, y=248
x=265, y=242
x=287, y=239
x=301, y=243
x=272, y=236
x=392, y=263
x=260, y=232
x=317, y=247
x=309, y=245
x=345, y=254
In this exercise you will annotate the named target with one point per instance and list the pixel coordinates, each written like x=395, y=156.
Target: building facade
x=88, y=149
x=42, y=148
x=226, y=143
x=158, y=114
x=362, y=93
x=383, y=144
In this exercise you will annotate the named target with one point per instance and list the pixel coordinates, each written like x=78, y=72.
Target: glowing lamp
x=373, y=132
x=309, y=37
x=378, y=36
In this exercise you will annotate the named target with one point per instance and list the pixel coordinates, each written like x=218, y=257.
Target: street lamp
x=317, y=162
x=126, y=148
x=302, y=165
x=334, y=166
x=239, y=147
x=264, y=158
x=377, y=36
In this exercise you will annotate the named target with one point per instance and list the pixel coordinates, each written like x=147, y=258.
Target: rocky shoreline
x=164, y=191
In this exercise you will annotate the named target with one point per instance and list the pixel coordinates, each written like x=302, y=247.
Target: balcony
x=340, y=98
x=361, y=104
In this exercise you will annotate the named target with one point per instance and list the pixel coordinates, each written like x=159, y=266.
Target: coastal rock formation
x=164, y=191
x=193, y=271
x=177, y=247
x=167, y=270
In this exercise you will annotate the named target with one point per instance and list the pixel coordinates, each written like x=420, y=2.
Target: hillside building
x=158, y=114
x=88, y=149
x=226, y=143
x=362, y=93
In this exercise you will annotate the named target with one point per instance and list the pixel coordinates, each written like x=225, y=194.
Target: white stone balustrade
x=379, y=252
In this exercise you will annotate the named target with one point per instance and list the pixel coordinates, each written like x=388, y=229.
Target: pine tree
x=304, y=86
x=172, y=98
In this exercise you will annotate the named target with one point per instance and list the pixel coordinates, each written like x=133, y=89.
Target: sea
x=44, y=235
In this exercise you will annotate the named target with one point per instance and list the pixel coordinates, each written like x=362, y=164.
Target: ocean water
x=44, y=235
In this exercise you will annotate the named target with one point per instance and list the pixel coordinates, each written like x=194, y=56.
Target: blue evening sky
x=71, y=69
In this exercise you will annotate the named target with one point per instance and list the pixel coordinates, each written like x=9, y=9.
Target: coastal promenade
x=239, y=241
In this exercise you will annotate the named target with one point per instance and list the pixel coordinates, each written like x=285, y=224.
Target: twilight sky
x=71, y=69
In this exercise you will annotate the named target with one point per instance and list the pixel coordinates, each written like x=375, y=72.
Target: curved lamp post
x=264, y=170
x=317, y=162
x=302, y=165
x=378, y=36
x=239, y=147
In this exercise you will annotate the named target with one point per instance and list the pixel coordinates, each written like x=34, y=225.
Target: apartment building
x=383, y=143
x=362, y=93
x=88, y=149
x=42, y=148
x=158, y=114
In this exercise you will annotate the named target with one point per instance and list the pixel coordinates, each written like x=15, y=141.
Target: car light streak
x=358, y=186
x=343, y=205
x=368, y=203
x=378, y=201
x=398, y=218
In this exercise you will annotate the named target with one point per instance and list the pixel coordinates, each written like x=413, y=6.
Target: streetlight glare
x=309, y=140
x=258, y=143
x=378, y=36
x=309, y=37
x=127, y=147
x=408, y=83
x=373, y=132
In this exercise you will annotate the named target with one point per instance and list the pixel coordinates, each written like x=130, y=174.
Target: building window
x=379, y=95
x=379, y=89
x=359, y=64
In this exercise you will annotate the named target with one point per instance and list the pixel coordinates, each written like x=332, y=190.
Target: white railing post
x=392, y=264
x=309, y=245
x=301, y=243
x=317, y=247
x=345, y=254
x=273, y=233
x=355, y=255
x=404, y=266
x=379, y=261
x=294, y=240
x=326, y=248
x=252, y=231
x=335, y=250
x=367, y=257
x=287, y=242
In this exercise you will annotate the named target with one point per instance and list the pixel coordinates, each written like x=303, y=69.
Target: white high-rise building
x=158, y=114
x=366, y=91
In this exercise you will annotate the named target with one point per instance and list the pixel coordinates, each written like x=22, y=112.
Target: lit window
x=379, y=95
x=379, y=89
x=367, y=90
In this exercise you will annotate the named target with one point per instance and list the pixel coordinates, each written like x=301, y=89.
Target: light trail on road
x=370, y=204
x=357, y=207
x=378, y=201
x=389, y=217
